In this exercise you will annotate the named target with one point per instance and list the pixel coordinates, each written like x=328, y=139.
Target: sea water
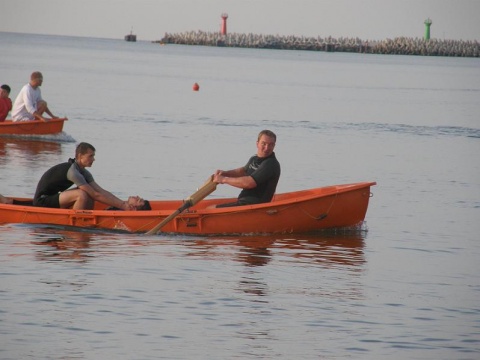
x=404, y=286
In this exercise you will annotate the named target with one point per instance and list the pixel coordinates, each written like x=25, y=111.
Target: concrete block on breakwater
x=397, y=46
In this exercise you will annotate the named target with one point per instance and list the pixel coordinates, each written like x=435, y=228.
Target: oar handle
x=202, y=192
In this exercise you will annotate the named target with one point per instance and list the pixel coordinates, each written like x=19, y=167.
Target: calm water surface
x=406, y=285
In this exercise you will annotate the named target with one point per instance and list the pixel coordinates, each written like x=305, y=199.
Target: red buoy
x=196, y=87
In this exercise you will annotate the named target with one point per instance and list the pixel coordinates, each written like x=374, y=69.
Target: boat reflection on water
x=59, y=245
x=326, y=249
x=13, y=147
x=340, y=252
x=65, y=243
x=328, y=265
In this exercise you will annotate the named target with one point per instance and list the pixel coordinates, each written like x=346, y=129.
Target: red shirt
x=5, y=107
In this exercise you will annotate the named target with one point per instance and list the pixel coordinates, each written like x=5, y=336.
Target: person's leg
x=23, y=202
x=76, y=199
x=5, y=200
x=41, y=107
x=236, y=203
x=240, y=202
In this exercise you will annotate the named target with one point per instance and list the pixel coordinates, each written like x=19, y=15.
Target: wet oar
x=193, y=199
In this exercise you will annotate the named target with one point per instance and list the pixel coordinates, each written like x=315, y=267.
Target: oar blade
x=164, y=222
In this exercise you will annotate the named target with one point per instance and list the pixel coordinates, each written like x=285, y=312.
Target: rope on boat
x=323, y=215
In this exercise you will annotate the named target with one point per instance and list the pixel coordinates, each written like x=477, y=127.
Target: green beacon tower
x=427, y=23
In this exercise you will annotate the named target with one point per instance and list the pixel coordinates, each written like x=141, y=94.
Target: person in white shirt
x=29, y=104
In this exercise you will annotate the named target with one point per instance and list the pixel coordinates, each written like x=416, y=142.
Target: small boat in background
x=131, y=37
x=304, y=211
x=32, y=127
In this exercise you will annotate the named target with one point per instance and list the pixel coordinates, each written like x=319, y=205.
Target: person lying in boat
x=258, y=179
x=53, y=188
x=137, y=202
x=29, y=104
x=5, y=102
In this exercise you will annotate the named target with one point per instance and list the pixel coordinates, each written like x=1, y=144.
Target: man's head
x=85, y=154
x=36, y=79
x=266, y=143
x=5, y=91
x=139, y=203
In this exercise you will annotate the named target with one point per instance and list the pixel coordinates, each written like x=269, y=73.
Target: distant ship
x=131, y=37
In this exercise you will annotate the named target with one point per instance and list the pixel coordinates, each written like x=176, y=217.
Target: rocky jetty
x=397, y=46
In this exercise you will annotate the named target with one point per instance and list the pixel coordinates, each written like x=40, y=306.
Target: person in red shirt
x=5, y=102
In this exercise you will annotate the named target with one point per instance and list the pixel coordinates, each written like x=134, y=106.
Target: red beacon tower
x=223, y=29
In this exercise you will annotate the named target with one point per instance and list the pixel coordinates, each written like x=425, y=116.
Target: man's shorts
x=240, y=202
x=49, y=201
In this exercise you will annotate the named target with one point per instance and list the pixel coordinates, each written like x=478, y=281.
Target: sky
x=151, y=19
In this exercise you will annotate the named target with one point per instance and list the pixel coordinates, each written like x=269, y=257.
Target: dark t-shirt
x=60, y=177
x=266, y=173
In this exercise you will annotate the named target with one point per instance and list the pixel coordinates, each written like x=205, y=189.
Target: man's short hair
x=268, y=133
x=6, y=88
x=146, y=206
x=36, y=75
x=83, y=148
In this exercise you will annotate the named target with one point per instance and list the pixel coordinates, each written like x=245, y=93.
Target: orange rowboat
x=304, y=211
x=33, y=127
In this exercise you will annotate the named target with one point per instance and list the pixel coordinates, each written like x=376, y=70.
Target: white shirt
x=26, y=103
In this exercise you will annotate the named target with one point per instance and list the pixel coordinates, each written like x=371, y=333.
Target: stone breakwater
x=397, y=46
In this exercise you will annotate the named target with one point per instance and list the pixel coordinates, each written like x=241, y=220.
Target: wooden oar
x=193, y=199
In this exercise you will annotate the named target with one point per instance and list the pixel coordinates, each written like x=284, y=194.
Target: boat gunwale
x=9, y=127
x=10, y=122
x=305, y=195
